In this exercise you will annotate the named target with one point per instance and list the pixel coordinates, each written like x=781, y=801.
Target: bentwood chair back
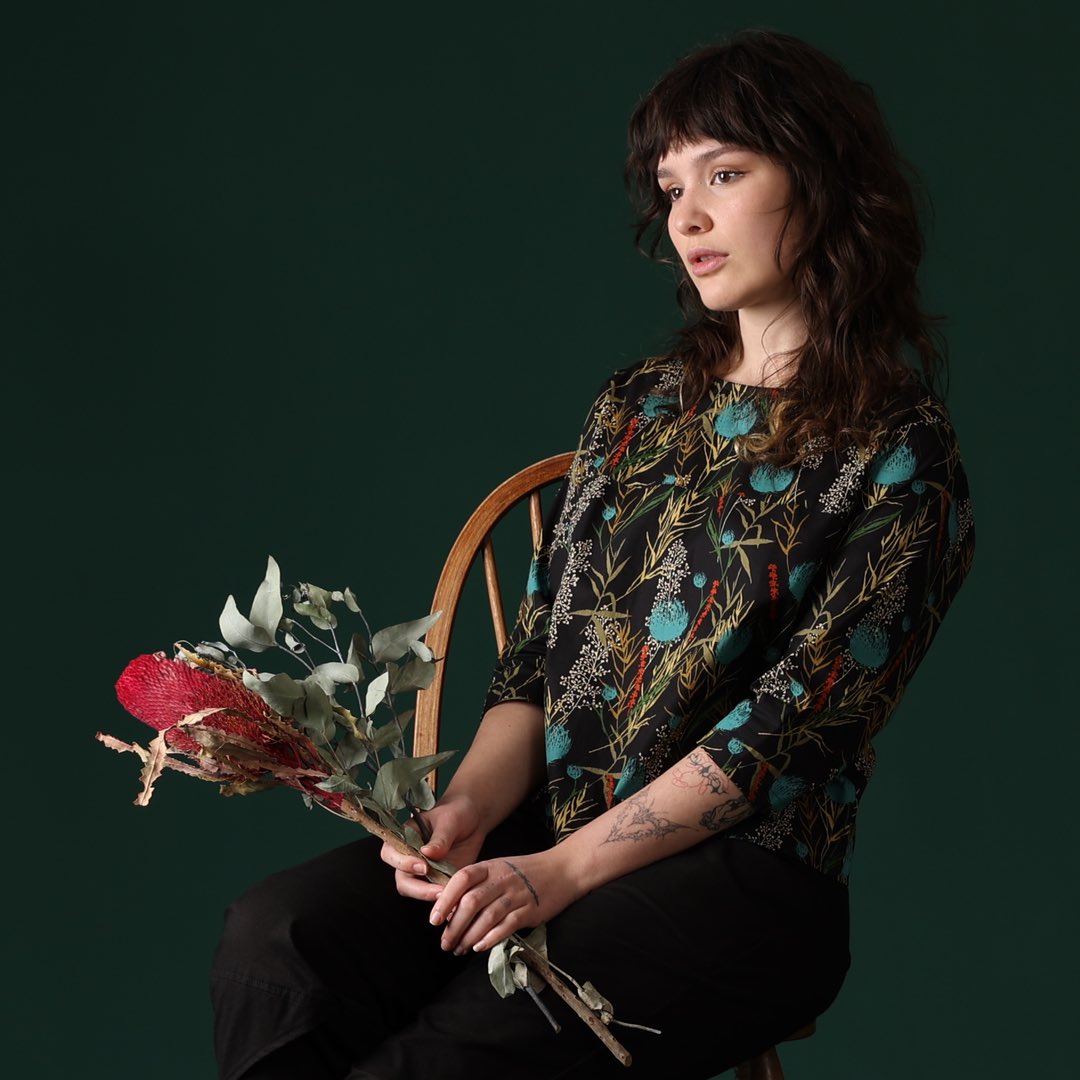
x=475, y=537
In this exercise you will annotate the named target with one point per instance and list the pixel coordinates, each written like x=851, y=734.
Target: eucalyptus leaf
x=241, y=633
x=376, y=691
x=417, y=674
x=350, y=602
x=266, y=609
x=294, y=644
x=322, y=618
x=357, y=651
x=340, y=783
x=393, y=642
x=330, y=674
x=351, y=751
x=281, y=692
x=421, y=796
x=499, y=970
x=314, y=714
x=396, y=777
x=421, y=650
x=385, y=736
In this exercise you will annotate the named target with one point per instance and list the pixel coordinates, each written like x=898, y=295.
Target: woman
x=758, y=538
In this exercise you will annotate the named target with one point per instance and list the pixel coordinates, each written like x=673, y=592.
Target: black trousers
x=324, y=972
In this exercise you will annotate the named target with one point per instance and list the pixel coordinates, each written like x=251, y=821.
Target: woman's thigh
x=726, y=948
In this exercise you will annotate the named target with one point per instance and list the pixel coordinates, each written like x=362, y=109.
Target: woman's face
x=727, y=208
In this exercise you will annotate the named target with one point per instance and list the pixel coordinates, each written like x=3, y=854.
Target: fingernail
x=419, y=868
x=436, y=915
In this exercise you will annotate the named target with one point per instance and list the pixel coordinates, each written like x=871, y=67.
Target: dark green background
x=311, y=279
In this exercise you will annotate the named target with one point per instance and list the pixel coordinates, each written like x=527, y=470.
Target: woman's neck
x=769, y=341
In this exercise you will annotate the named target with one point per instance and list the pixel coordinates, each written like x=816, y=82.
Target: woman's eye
x=725, y=172
x=720, y=177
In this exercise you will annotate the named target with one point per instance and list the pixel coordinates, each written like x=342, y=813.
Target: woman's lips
x=707, y=264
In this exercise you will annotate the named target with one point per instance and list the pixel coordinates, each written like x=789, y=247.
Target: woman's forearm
x=505, y=762
x=690, y=802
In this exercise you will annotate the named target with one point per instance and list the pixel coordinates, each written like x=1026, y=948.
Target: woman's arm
x=504, y=764
x=490, y=900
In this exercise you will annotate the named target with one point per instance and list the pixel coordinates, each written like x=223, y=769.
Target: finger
x=408, y=864
x=501, y=931
x=472, y=907
x=416, y=888
x=500, y=911
x=464, y=880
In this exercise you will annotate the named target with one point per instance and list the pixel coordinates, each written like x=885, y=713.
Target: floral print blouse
x=773, y=616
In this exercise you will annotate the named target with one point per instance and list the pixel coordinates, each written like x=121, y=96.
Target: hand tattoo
x=528, y=883
x=638, y=821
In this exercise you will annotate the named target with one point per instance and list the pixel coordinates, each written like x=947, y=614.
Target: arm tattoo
x=637, y=821
x=726, y=813
x=528, y=883
x=709, y=779
x=700, y=774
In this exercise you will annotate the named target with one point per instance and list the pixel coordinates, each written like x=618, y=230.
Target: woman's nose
x=689, y=215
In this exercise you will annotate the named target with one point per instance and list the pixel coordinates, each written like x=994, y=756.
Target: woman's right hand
x=456, y=837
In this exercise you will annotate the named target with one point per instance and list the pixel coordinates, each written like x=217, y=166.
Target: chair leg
x=765, y=1066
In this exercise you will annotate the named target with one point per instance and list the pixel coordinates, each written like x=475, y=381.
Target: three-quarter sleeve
x=870, y=612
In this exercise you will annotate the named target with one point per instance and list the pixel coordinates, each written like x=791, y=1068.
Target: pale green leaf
x=241, y=633
x=393, y=642
x=396, y=777
x=499, y=971
x=281, y=692
x=266, y=609
x=350, y=602
x=417, y=674
x=375, y=692
x=314, y=714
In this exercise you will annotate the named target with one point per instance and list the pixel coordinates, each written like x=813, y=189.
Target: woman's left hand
x=490, y=900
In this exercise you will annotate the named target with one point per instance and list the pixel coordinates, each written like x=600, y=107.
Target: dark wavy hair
x=854, y=270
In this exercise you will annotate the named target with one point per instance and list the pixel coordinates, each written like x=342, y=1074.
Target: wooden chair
x=475, y=537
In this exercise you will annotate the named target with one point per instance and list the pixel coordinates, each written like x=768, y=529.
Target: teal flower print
x=599, y=460
x=556, y=743
x=700, y=579
x=727, y=537
x=538, y=578
x=893, y=466
x=801, y=849
x=669, y=478
x=732, y=643
x=654, y=404
x=841, y=790
x=800, y=577
x=737, y=717
x=869, y=644
x=797, y=689
x=668, y=620
x=769, y=478
x=573, y=771
x=631, y=780
x=734, y=746
x=608, y=512
x=609, y=693
x=736, y=419
x=918, y=486
x=785, y=789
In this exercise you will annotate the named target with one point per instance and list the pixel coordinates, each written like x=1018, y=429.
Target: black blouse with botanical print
x=773, y=616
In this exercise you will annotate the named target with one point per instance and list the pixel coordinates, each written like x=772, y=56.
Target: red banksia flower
x=161, y=691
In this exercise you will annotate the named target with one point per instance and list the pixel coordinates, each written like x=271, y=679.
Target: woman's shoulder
x=915, y=413
x=649, y=374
